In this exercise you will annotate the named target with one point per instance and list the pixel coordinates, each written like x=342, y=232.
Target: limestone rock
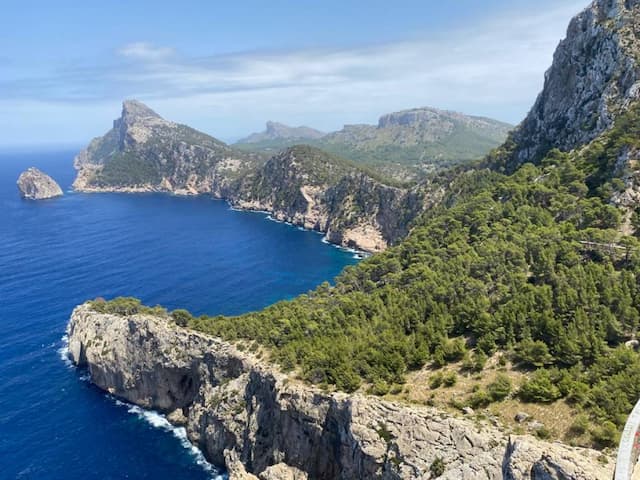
x=594, y=76
x=36, y=185
x=247, y=415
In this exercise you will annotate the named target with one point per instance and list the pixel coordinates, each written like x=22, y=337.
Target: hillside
x=528, y=278
x=409, y=143
x=303, y=185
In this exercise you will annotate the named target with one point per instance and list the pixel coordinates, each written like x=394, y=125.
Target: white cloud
x=494, y=67
x=145, y=51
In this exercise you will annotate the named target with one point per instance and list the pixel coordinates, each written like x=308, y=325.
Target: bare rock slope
x=261, y=423
x=36, y=185
x=594, y=77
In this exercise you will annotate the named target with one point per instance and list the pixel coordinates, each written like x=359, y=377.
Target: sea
x=179, y=252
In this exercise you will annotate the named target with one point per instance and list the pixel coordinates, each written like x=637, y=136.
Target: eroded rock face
x=36, y=185
x=594, y=76
x=261, y=423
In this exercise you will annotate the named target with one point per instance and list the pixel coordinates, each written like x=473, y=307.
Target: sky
x=228, y=67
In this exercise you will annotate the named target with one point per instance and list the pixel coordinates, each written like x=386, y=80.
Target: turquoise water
x=179, y=252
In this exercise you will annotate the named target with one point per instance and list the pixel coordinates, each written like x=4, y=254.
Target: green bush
x=500, y=388
x=450, y=379
x=539, y=388
x=181, y=317
x=437, y=468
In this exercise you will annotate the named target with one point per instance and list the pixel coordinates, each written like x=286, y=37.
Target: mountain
x=145, y=152
x=276, y=133
x=514, y=294
x=594, y=77
x=302, y=185
x=405, y=142
x=422, y=136
x=309, y=187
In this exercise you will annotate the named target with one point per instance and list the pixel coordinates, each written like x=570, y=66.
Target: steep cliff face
x=303, y=185
x=594, y=76
x=257, y=421
x=36, y=185
x=145, y=152
x=310, y=188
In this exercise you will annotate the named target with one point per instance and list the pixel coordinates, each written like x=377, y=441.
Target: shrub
x=181, y=317
x=500, y=388
x=437, y=468
x=436, y=380
x=605, y=435
x=450, y=379
x=479, y=399
x=539, y=388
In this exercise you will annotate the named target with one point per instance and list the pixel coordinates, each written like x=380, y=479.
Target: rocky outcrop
x=261, y=423
x=594, y=76
x=36, y=185
x=277, y=131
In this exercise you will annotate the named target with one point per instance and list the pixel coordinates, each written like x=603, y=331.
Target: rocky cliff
x=594, y=77
x=259, y=422
x=36, y=185
x=145, y=153
x=310, y=188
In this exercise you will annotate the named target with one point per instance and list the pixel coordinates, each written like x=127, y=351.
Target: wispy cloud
x=145, y=52
x=494, y=67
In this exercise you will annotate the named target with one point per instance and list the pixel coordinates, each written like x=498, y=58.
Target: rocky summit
x=264, y=424
x=594, y=77
x=36, y=185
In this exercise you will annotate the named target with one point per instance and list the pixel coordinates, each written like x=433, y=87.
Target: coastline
x=245, y=413
x=359, y=251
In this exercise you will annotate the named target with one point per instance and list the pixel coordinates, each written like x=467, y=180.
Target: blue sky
x=227, y=67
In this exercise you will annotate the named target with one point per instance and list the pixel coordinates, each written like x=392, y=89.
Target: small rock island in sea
x=36, y=185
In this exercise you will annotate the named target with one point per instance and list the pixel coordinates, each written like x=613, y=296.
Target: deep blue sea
x=194, y=253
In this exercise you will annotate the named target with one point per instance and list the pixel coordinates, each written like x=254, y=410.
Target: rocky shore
x=260, y=423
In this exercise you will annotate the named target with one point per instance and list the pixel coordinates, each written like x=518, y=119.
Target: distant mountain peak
x=280, y=131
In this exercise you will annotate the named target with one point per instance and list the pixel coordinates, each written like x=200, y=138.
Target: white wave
x=157, y=420
x=63, y=351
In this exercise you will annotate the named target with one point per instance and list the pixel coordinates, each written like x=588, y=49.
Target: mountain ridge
x=410, y=141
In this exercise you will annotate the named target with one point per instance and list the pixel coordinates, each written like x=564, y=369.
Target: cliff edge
x=259, y=422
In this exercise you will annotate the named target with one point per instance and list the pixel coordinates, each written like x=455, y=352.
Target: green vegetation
x=500, y=265
x=437, y=468
x=127, y=169
x=125, y=306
